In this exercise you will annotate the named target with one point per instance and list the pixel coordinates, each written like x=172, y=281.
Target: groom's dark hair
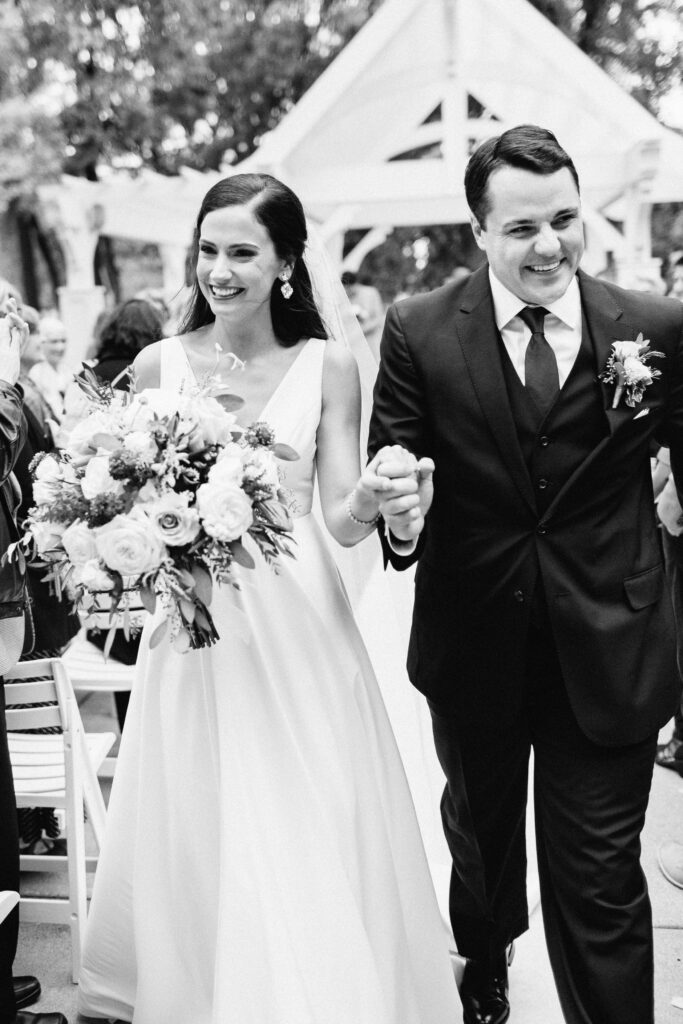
x=527, y=146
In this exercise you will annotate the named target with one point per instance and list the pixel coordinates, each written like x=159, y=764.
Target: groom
x=541, y=617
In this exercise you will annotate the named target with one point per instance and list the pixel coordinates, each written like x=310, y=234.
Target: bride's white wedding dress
x=263, y=863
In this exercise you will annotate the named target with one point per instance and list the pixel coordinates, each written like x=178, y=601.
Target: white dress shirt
x=562, y=327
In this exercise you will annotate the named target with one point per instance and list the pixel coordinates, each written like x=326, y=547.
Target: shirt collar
x=506, y=305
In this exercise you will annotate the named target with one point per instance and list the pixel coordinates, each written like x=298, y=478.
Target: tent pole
x=454, y=106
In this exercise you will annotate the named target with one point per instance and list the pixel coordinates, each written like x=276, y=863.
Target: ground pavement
x=44, y=950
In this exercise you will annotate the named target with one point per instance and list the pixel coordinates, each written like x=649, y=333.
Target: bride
x=262, y=862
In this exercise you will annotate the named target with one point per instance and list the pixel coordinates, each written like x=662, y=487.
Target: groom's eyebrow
x=524, y=221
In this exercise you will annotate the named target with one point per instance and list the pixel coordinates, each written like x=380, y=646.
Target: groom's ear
x=478, y=232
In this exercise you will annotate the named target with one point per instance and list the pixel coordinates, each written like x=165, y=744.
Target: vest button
x=542, y=484
x=544, y=441
x=519, y=596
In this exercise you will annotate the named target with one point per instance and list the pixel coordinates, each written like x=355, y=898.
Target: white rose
x=225, y=510
x=78, y=540
x=637, y=372
x=261, y=465
x=139, y=443
x=48, y=470
x=213, y=424
x=94, y=576
x=44, y=493
x=625, y=349
x=47, y=535
x=68, y=473
x=79, y=440
x=228, y=467
x=47, y=479
x=97, y=480
x=176, y=522
x=130, y=544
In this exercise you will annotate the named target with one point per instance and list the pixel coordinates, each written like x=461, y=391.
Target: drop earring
x=286, y=288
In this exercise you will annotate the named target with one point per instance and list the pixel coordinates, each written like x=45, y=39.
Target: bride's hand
x=407, y=494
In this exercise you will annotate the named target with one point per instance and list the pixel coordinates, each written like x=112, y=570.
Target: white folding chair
x=88, y=671
x=8, y=901
x=56, y=770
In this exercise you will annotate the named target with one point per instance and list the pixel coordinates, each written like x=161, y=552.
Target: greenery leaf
x=284, y=452
x=203, y=584
x=158, y=634
x=241, y=555
x=109, y=641
x=148, y=598
x=231, y=403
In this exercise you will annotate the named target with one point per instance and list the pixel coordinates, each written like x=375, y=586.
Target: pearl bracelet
x=354, y=518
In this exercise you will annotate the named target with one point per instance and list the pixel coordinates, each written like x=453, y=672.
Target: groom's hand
x=405, y=492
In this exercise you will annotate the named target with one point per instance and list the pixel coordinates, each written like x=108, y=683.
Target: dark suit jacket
x=488, y=543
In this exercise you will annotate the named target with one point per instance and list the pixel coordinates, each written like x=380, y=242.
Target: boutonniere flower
x=628, y=368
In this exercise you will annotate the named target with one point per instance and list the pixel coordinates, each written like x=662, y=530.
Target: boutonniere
x=627, y=368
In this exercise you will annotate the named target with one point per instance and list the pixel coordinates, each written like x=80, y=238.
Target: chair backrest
x=37, y=683
x=8, y=901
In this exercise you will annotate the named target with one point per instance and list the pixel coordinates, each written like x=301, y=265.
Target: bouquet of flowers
x=152, y=496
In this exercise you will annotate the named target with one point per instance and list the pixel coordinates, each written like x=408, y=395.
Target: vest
x=573, y=426
x=553, y=449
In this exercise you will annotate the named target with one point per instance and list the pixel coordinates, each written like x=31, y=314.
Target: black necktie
x=541, y=376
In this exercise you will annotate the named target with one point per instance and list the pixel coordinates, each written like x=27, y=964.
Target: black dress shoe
x=484, y=991
x=670, y=755
x=26, y=1017
x=26, y=990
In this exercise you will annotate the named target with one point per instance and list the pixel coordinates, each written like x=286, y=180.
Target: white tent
x=382, y=138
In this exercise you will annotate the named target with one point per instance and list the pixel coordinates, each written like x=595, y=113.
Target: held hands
x=13, y=333
x=402, y=489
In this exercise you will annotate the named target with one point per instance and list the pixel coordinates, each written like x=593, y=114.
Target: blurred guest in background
x=130, y=327
x=53, y=623
x=19, y=992
x=368, y=307
x=676, y=285
x=48, y=374
x=458, y=273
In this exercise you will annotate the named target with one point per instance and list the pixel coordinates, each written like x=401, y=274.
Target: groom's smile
x=532, y=233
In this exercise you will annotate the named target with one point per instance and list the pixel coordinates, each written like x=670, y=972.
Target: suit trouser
x=590, y=804
x=9, y=871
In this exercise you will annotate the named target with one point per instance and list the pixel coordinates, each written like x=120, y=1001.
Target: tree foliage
x=167, y=83
x=638, y=42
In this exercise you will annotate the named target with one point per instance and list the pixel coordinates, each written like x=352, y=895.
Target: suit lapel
x=478, y=336
x=604, y=318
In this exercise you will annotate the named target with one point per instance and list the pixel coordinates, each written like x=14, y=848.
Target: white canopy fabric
x=403, y=84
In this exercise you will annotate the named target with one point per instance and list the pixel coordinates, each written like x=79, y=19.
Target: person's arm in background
x=12, y=424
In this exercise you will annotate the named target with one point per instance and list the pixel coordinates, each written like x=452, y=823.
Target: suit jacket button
x=544, y=441
x=542, y=484
x=541, y=529
x=519, y=596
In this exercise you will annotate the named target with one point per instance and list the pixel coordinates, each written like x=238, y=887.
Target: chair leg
x=78, y=899
x=92, y=795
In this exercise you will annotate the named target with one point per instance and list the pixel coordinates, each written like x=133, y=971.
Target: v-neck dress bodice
x=292, y=410
x=262, y=861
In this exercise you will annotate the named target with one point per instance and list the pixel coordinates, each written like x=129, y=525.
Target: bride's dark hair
x=280, y=211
